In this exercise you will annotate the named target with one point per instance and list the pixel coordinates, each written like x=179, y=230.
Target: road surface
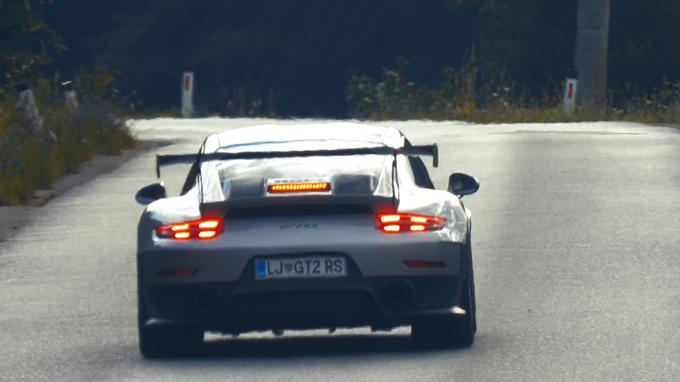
x=577, y=254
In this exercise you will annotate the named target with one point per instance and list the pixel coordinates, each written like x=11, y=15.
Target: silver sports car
x=305, y=227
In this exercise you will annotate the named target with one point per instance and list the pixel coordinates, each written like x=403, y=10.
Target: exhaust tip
x=398, y=294
x=207, y=298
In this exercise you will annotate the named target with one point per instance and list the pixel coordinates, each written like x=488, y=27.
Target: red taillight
x=289, y=188
x=185, y=272
x=198, y=229
x=423, y=264
x=396, y=223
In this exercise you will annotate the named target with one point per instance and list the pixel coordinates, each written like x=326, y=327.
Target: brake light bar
x=289, y=188
x=197, y=229
x=400, y=223
x=424, y=264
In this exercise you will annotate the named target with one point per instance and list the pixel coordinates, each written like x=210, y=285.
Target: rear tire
x=165, y=341
x=452, y=330
x=169, y=342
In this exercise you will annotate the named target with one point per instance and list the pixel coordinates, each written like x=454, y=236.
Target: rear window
x=357, y=174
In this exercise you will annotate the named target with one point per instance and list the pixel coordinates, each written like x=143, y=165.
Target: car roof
x=241, y=138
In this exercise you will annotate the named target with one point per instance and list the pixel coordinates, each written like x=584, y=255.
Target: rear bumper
x=236, y=307
x=384, y=257
x=379, y=289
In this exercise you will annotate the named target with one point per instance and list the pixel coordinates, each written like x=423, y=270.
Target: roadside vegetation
x=462, y=95
x=33, y=157
x=307, y=58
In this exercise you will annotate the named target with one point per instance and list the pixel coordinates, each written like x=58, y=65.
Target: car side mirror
x=151, y=193
x=462, y=184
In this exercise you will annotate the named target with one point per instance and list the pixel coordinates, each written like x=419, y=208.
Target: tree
x=525, y=43
x=26, y=42
x=292, y=58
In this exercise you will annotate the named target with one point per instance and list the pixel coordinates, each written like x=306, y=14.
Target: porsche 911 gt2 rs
x=305, y=227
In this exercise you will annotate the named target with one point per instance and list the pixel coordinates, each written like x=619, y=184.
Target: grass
x=31, y=158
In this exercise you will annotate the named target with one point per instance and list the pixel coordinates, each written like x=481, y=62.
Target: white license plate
x=300, y=267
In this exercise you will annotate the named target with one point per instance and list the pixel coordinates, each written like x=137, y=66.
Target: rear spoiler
x=165, y=160
x=379, y=204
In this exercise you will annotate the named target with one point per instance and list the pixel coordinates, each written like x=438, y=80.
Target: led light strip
x=282, y=188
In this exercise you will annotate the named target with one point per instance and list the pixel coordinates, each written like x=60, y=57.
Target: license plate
x=300, y=267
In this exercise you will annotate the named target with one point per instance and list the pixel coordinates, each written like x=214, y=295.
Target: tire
x=453, y=330
x=473, y=295
x=166, y=341
x=448, y=331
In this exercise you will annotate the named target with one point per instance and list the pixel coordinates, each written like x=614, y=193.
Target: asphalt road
x=576, y=242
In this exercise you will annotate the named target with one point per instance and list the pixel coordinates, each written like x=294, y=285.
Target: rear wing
x=165, y=160
x=379, y=204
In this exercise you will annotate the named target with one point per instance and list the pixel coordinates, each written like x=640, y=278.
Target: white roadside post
x=70, y=97
x=27, y=103
x=187, y=94
x=570, y=88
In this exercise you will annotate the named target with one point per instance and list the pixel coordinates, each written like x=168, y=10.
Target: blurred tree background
x=315, y=57
x=26, y=42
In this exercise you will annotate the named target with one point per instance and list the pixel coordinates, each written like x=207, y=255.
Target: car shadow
x=307, y=346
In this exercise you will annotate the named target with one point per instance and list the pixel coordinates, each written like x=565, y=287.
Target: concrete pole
x=592, y=43
x=27, y=103
x=187, y=94
x=570, y=89
x=70, y=97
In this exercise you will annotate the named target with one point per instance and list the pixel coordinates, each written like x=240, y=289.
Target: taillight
x=399, y=223
x=196, y=229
